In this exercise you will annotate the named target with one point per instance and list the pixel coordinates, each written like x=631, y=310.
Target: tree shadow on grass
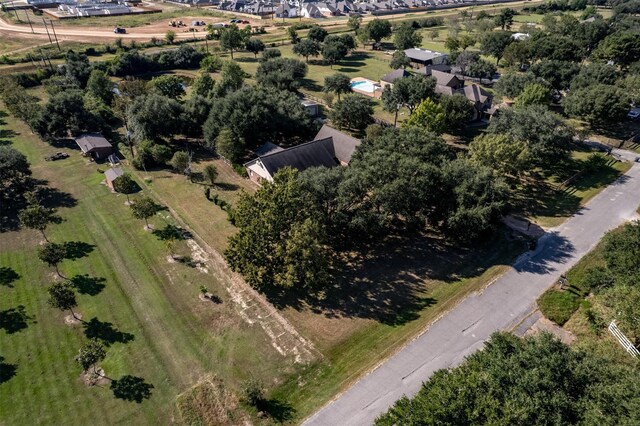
x=77, y=249
x=14, y=319
x=86, y=284
x=54, y=198
x=225, y=186
x=7, y=371
x=106, y=332
x=7, y=134
x=8, y=276
x=280, y=411
x=391, y=281
x=172, y=232
x=131, y=388
x=311, y=85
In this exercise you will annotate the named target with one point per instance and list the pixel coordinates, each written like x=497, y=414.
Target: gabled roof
x=89, y=141
x=422, y=54
x=113, y=174
x=444, y=90
x=318, y=153
x=394, y=75
x=430, y=68
x=343, y=145
x=445, y=79
x=476, y=93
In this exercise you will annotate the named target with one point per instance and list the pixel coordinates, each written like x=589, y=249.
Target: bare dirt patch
x=90, y=378
x=71, y=320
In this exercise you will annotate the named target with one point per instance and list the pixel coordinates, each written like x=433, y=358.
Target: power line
x=47, y=28
x=54, y=34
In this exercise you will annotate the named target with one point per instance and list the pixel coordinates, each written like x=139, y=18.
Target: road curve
x=501, y=306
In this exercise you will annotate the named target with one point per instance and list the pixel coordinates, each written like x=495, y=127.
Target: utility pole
x=54, y=34
x=47, y=28
x=29, y=20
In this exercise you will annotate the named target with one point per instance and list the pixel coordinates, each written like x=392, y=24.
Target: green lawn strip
x=176, y=337
x=559, y=305
x=548, y=204
x=364, y=349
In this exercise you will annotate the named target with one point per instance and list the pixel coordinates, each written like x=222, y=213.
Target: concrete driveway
x=501, y=306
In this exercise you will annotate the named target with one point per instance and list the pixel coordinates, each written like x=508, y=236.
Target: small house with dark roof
x=389, y=79
x=481, y=100
x=94, y=145
x=426, y=71
x=330, y=148
x=446, y=83
x=112, y=174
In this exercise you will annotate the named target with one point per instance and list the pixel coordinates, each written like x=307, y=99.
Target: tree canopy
x=281, y=73
x=536, y=380
x=599, y=104
x=352, y=112
x=278, y=243
x=547, y=136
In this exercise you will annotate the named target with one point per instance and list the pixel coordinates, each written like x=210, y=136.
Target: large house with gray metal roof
x=330, y=148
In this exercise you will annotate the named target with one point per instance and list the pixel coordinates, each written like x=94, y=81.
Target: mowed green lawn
x=147, y=308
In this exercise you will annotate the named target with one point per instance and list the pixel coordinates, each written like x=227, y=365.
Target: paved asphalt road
x=500, y=307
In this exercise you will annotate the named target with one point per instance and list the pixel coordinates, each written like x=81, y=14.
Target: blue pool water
x=365, y=86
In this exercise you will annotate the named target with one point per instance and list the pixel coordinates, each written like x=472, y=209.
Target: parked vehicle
x=119, y=30
x=57, y=156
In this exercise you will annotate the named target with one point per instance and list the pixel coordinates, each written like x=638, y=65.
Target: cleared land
x=146, y=308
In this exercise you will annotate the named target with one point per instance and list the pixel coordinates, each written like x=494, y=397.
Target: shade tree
x=495, y=43
x=429, y=115
x=399, y=59
x=548, y=136
x=377, y=29
x=255, y=46
x=317, y=33
x=558, y=74
x=534, y=94
x=36, y=216
x=210, y=173
x=232, y=38
x=144, y=209
x=569, y=385
x=281, y=73
x=338, y=84
x=90, y=354
x=599, y=104
x=501, y=153
x=458, y=111
x=62, y=296
x=52, y=254
x=405, y=36
x=170, y=86
x=307, y=47
x=352, y=112
x=278, y=243
x=125, y=184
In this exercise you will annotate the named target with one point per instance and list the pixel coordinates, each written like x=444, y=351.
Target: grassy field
x=146, y=309
x=548, y=203
x=575, y=306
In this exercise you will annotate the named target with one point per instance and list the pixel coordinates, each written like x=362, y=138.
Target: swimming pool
x=364, y=86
